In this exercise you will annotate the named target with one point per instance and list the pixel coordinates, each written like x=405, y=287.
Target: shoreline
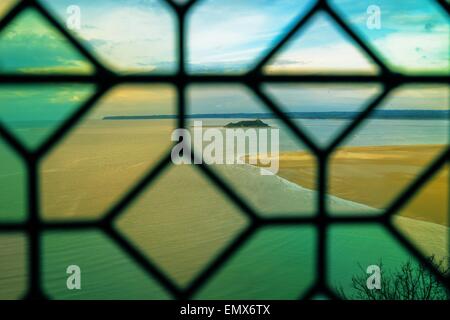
x=375, y=176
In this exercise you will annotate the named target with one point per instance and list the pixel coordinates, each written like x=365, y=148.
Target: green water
x=106, y=271
x=12, y=185
x=276, y=263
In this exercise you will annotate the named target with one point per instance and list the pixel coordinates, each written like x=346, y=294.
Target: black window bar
x=105, y=80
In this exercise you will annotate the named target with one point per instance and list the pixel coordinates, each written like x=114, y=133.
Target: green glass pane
x=12, y=266
x=276, y=263
x=29, y=44
x=33, y=112
x=106, y=271
x=354, y=253
x=12, y=185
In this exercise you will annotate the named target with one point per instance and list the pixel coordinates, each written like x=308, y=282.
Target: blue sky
x=230, y=36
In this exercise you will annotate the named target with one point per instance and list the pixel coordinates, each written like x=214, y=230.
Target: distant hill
x=377, y=114
x=247, y=124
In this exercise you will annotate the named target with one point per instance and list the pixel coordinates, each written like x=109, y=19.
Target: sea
x=277, y=262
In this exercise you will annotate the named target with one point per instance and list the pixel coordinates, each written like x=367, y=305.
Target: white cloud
x=132, y=38
x=414, y=51
x=333, y=57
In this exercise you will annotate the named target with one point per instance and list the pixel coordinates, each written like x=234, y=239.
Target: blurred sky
x=230, y=36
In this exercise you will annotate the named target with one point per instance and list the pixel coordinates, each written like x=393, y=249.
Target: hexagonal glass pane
x=33, y=112
x=116, y=143
x=276, y=263
x=30, y=44
x=230, y=36
x=105, y=271
x=257, y=154
x=424, y=220
x=182, y=222
x=391, y=148
x=129, y=36
x=321, y=47
x=362, y=258
x=410, y=37
x=322, y=110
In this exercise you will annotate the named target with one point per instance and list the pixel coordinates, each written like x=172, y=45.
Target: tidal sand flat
x=97, y=163
x=375, y=175
x=182, y=222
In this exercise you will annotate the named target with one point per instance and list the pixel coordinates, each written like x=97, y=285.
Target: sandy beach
x=98, y=163
x=375, y=175
x=183, y=221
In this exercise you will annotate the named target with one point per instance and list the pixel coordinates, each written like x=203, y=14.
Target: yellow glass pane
x=107, y=153
x=13, y=266
x=182, y=222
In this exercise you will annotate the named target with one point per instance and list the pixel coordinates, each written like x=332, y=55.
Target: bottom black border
x=278, y=309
